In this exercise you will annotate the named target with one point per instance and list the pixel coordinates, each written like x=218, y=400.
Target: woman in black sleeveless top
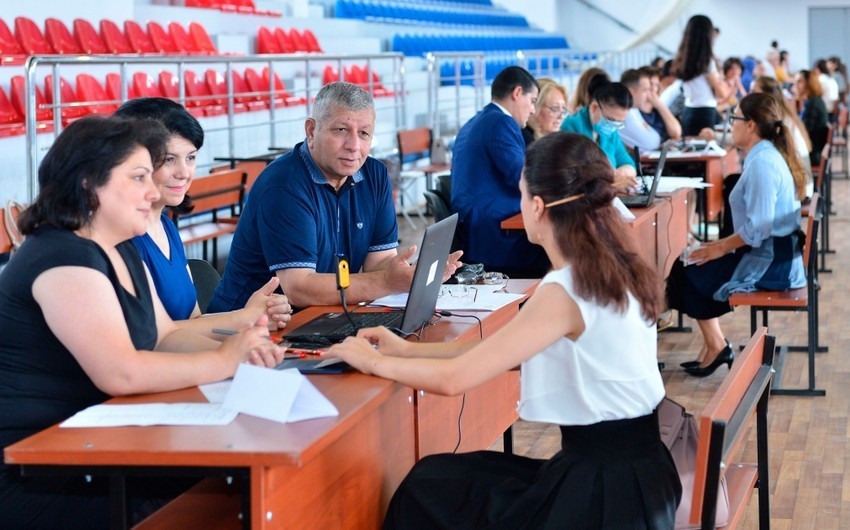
x=78, y=322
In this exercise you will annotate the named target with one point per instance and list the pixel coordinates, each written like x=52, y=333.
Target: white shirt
x=698, y=91
x=639, y=133
x=609, y=373
x=830, y=91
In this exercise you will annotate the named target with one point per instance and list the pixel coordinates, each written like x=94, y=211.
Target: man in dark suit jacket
x=487, y=161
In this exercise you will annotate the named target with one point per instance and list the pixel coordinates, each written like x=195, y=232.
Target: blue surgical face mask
x=606, y=127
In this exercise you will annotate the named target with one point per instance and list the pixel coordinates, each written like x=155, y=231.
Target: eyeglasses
x=732, y=119
x=558, y=112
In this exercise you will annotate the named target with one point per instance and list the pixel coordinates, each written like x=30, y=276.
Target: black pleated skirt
x=611, y=475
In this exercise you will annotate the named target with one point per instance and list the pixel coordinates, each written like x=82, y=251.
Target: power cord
x=463, y=399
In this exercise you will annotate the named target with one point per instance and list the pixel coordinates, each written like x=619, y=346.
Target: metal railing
x=391, y=66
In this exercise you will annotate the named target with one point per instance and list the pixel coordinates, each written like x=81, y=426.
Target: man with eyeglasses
x=639, y=130
x=487, y=160
x=601, y=121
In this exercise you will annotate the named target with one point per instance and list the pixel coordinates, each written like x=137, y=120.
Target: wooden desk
x=711, y=167
x=323, y=473
x=661, y=230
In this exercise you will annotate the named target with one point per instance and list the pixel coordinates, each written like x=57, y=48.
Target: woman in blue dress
x=587, y=344
x=160, y=246
x=764, y=250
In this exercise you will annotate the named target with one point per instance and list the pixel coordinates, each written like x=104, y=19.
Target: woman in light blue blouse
x=160, y=246
x=764, y=250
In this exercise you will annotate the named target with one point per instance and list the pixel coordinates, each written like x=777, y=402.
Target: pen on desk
x=474, y=295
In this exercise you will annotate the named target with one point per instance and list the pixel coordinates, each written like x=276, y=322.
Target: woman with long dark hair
x=586, y=341
x=763, y=252
x=694, y=65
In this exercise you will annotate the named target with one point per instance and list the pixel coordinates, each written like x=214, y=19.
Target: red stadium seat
x=138, y=38
x=330, y=75
x=240, y=86
x=312, y=41
x=19, y=100
x=198, y=95
x=114, y=38
x=91, y=92
x=113, y=88
x=206, y=4
x=180, y=37
x=218, y=87
x=266, y=42
x=257, y=84
x=11, y=122
x=284, y=41
x=378, y=89
x=145, y=87
x=162, y=41
x=298, y=41
x=280, y=90
x=66, y=95
x=60, y=38
x=10, y=51
x=88, y=38
x=356, y=75
x=201, y=38
x=30, y=38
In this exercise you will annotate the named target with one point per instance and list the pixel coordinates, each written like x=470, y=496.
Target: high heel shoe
x=726, y=356
x=695, y=364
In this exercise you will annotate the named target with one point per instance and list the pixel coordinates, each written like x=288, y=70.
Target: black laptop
x=330, y=328
x=646, y=196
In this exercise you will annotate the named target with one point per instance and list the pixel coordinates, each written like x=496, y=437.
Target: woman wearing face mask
x=703, y=88
x=549, y=111
x=160, y=246
x=601, y=121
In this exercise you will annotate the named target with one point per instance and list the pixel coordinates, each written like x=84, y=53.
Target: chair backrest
x=89, y=90
x=266, y=41
x=168, y=85
x=298, y=41
x=251, y=168
x=19, y=100
x=206, y=278
x=197, y=91
x=66, y=95
x=113, y=88
x=31, y=38
x=842, y=119
x=218, y=190
x=437, y=205
x=8, y=113
x=284, y=41
x=312, y=41
x=414, y=144
x=823, y=167
x=138, y=38
x=144, y=86
x=241, y=88
x=8, y=44
x=88, y=38
x=181, y=39
x=200, y=37
x=162, y=41
x=723, y=425
x=811, y=232
x=60, y=37
x=114, y=38
x=443, y=186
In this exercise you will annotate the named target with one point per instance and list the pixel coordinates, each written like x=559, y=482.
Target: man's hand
x=452, y=265
x=399, y=275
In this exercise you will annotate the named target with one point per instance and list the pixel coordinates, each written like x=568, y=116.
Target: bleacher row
x=205, y=95
x=245, y=7
x=419, y=44
x=402, y=13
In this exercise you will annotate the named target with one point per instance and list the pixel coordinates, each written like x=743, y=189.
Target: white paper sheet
x=476, y=298
x=215, y=392
x=151, y=414
x=279, y=395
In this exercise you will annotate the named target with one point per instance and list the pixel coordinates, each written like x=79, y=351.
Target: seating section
x=245, y=7
x=434, y=14
x=418, y=44
x=278, y=40
x=28, y=39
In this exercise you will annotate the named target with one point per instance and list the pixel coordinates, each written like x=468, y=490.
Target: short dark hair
x=80, y=161
x=650, y=71
x=631, y=77
x=615, y=94
x=176, y=120
x=510, y=78
x=730, y=62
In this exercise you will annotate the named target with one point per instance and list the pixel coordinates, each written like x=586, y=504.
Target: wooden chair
x=723, y=428
x=224, y=190
x=838, y=139
x=802, y=299
x=251, y=168
x=823, y=187
x=414, y=145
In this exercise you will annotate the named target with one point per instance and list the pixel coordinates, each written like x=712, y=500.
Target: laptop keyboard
x=368, y=320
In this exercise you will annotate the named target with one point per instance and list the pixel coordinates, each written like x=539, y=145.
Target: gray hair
x=344, y=95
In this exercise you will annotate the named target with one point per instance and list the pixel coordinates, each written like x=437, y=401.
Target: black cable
x=463, y=400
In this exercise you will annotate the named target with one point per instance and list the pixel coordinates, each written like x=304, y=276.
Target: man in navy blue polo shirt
x=324, y=198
